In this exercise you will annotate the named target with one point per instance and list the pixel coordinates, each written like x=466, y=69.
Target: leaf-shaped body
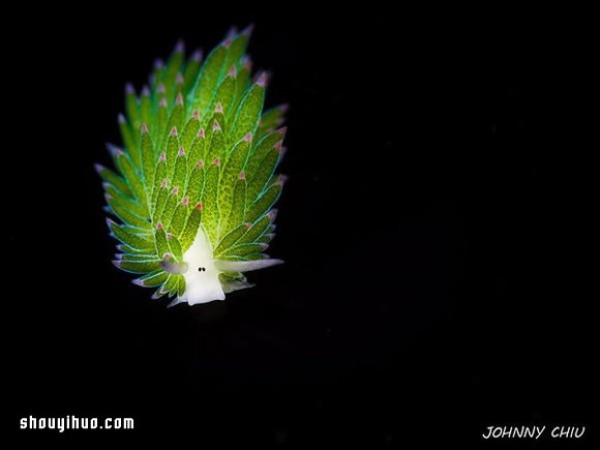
x=193, y=186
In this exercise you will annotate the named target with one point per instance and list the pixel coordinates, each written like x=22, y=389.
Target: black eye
x=201, y=269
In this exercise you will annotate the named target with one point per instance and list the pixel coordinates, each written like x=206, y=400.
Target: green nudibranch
x=193, y=189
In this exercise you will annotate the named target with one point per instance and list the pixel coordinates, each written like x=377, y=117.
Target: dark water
x=432, y=229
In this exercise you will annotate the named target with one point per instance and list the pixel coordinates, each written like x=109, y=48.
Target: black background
x=433, y=227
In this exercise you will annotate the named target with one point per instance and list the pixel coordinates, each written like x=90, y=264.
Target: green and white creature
x=194, y=184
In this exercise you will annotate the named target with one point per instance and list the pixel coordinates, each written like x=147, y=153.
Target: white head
x=201, y=272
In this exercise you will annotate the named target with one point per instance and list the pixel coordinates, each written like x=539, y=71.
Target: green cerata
x=192, y=193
